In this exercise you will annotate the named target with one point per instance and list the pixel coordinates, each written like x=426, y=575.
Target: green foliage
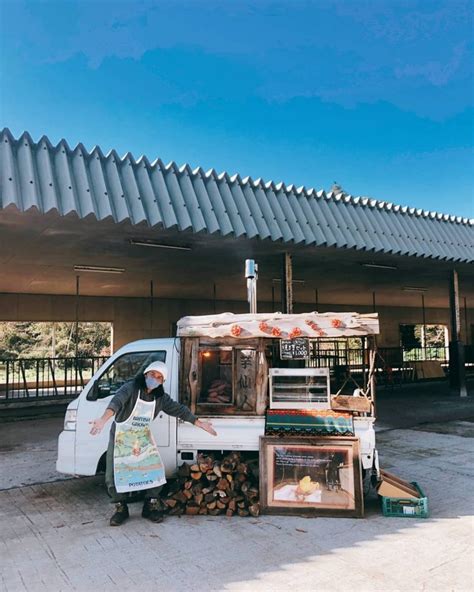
x=40, y=340
x=413, y=336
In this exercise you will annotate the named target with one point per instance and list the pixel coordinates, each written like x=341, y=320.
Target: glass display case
x=299, y=388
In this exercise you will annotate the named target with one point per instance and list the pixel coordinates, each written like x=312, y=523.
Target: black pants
x=153, y=492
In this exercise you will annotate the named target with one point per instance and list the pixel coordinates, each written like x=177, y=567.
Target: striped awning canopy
x=46, y=177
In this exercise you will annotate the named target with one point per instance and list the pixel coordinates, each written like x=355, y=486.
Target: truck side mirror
x=99, y=391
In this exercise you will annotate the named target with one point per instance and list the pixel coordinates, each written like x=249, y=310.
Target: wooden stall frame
x=306, y=508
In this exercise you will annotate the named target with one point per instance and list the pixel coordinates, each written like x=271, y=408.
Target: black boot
x=153, y=510
x=121, y=514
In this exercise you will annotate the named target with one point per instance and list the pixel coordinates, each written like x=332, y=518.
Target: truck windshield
x=123, y=369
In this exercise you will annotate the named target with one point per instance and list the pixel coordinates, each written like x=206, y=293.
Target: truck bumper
x=66, y=457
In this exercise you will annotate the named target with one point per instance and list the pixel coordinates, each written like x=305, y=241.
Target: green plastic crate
x=406, y=507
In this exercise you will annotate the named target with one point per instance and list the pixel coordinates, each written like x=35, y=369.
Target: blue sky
x=376, y=95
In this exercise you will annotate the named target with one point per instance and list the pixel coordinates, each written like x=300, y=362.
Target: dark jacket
x=125, y=398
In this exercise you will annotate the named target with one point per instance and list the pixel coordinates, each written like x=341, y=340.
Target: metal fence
x=41, y=379
x=394, y=365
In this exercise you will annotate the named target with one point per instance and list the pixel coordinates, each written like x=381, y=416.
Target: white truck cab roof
x=148, y=344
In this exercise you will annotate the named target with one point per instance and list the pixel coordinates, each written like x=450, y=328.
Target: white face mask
x=152, y=382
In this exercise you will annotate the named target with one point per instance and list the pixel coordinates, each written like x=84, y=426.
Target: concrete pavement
x=28, y=451
x=55, y=536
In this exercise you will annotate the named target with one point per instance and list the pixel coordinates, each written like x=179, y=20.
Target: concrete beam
x=457, y=370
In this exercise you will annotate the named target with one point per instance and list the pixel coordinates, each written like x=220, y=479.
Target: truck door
x=89, y=449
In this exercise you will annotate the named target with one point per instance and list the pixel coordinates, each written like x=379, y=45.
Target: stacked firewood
x=213, y=487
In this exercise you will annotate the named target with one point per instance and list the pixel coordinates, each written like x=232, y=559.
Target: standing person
x=133, y=459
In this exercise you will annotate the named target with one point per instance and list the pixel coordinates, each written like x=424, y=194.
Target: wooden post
x=194, y=374
x=372, y=345
x=262, y=379
x=287, y=284
x=185, y=364
x=457, y=371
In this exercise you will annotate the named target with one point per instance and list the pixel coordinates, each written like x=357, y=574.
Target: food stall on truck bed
x=233, y=367
x=225, y=367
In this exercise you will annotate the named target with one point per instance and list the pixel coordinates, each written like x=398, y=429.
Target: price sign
x=294, y=349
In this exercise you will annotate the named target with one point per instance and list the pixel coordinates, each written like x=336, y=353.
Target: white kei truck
x=227, y=368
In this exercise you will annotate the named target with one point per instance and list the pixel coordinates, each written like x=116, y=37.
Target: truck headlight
x=70, y=420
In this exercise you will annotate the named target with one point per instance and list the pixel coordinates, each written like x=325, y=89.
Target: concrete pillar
x=287, y=284
x=457, y=370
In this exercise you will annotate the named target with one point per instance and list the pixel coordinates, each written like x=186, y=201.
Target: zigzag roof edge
x=363, y=201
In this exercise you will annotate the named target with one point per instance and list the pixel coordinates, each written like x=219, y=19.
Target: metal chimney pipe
x=251, y=274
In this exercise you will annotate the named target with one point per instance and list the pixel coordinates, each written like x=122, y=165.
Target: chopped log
x=211, y=505
x=232, y=505
x=188, y=494
x=223, y=484
x=193, y=510
x=229, y=477
x=217, y=470
x=242, y=513
x=196, y=476
x=199, y=498
x=205, y=466
x=188, y=484
x=196, y=488
x=207, y=490
x=221, y=505
x=180, y=497
x=212, y=477
x=254, y=509
x=203, y=510
x=170, y=502
x=194, y=468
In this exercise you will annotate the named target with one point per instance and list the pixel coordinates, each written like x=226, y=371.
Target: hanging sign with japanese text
x=294, y=349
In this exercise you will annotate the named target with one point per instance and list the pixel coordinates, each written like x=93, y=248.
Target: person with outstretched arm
x=133, y=459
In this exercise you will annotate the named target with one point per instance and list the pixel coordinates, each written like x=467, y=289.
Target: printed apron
x=137, y=461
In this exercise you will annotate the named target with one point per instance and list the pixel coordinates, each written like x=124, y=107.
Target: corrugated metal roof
x=40, y=175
